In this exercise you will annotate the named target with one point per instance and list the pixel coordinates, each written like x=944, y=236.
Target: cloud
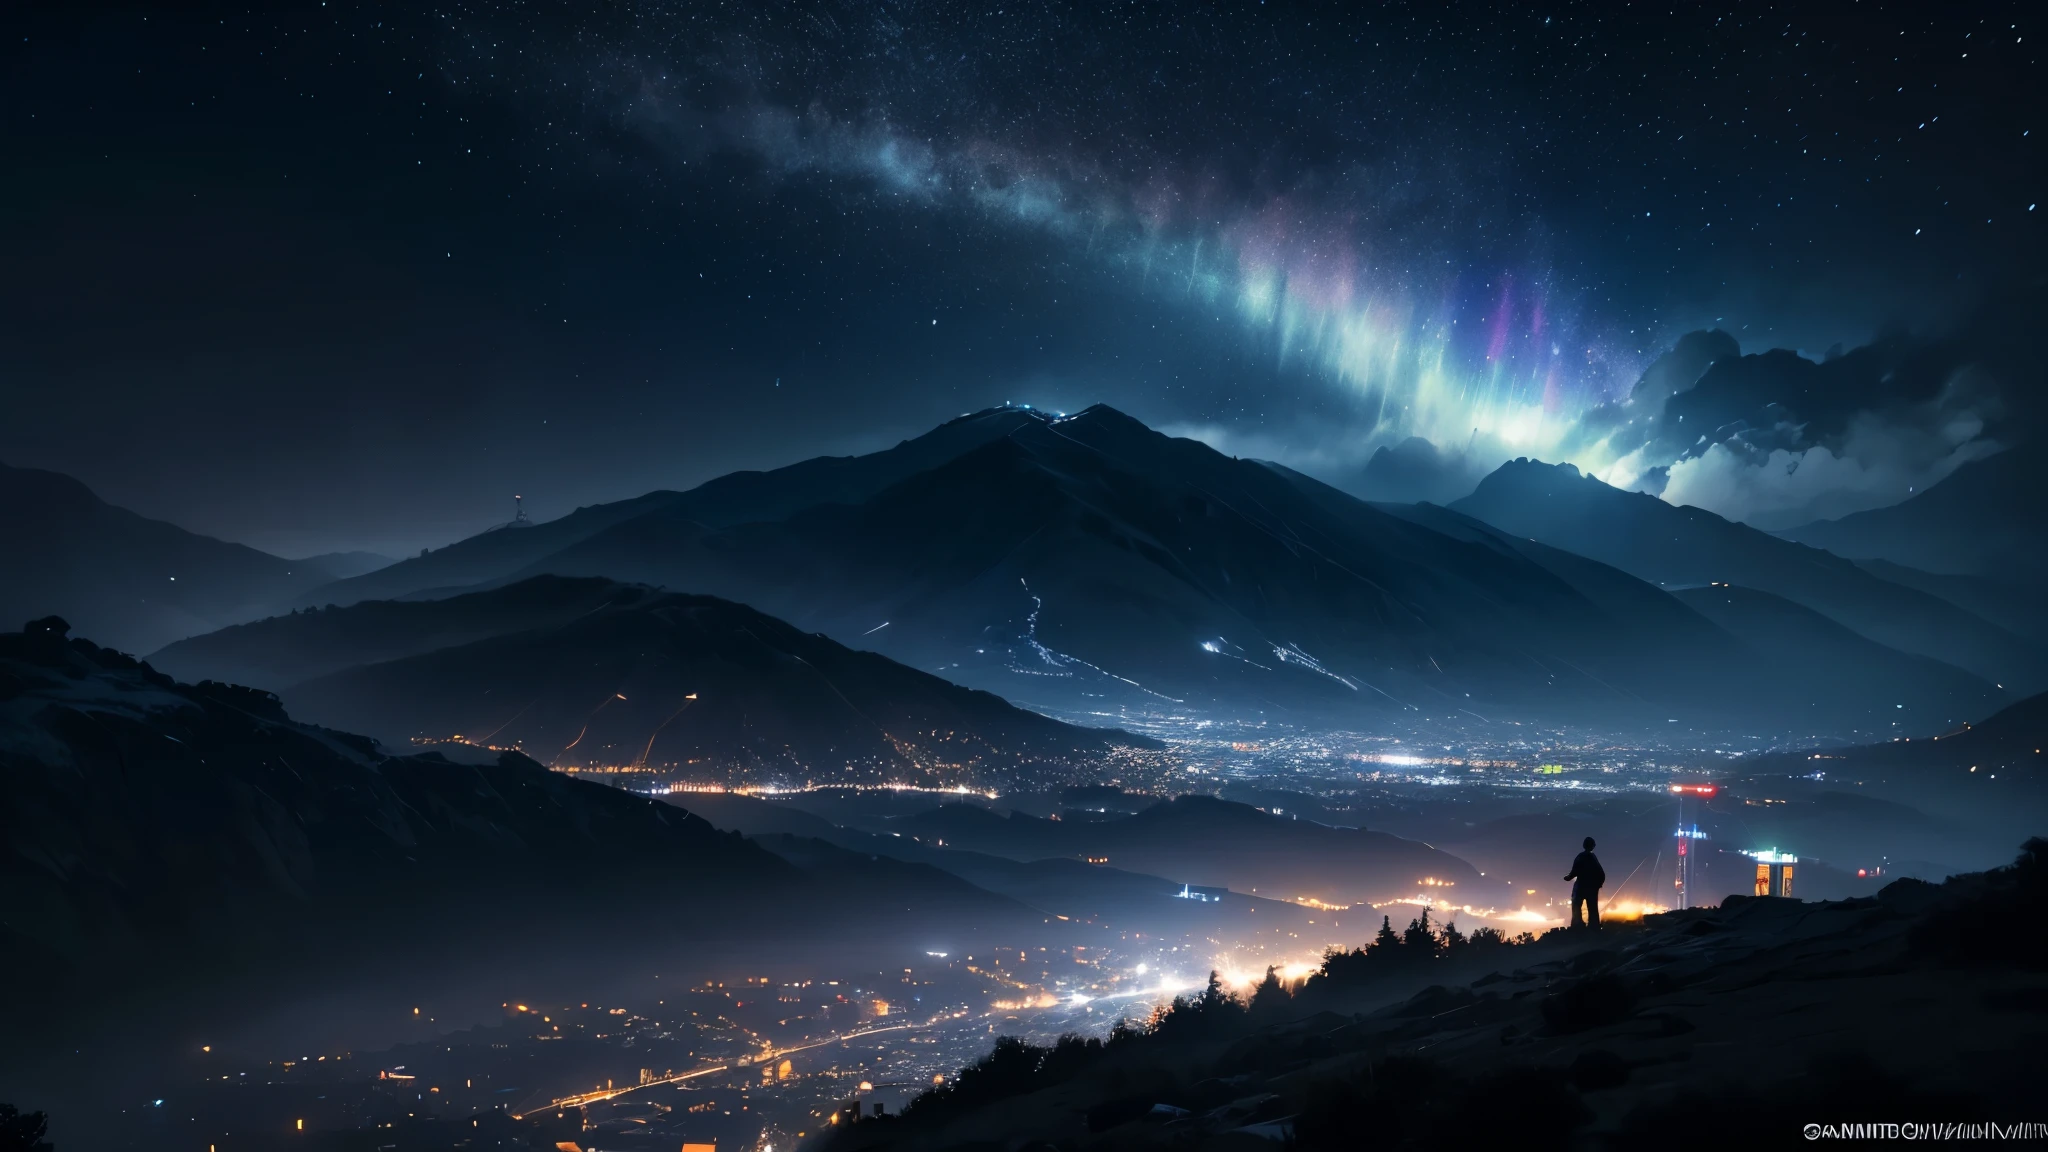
x=1777, y=439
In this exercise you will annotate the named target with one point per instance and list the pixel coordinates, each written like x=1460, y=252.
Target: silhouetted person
x=1586, y=876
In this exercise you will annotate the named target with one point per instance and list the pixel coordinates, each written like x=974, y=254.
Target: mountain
x=343, y=565
x=135, y=582
x=1811, y=665
x=591, y=672
x=282, y=651
x=174, y=827
x=167, y=844
x=736, y=498
x=1894, y=687
x=1993, y=764
x=2018, y=607
x=1677, y=547
x=1416, y=470
x=1642, y=1034
x=1982, y=519
x=1092, y=564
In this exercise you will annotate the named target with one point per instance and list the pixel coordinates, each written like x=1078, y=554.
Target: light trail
x=585, y=730
x=1061, y=660
x=579, y=1100
x=779, y=1053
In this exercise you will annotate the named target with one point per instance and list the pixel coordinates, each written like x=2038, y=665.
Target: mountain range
x=135, y=582
x=1090, y=566
x=195, y=840
x=592, y=672
x=1981, y=520
x=1678, y=547
x=1987, y=780
x=1813, y=666
x=736, y=498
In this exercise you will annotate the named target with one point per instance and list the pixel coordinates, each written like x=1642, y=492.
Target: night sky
x=345, y=275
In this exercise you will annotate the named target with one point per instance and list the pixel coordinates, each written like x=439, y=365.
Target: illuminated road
x=601, y=1094
x=581, y=1099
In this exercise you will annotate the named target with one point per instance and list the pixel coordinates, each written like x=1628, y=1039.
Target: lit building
x=1204, y=894
x=1773, y=872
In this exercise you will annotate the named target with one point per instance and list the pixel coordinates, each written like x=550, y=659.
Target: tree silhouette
x=1011, y=1068
x=1419, y=939
x=1269, y=997
x=1214, y=1012
x=1387, y=940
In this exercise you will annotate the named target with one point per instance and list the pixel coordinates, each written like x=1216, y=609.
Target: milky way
x=1389, y=198
x=397, y=264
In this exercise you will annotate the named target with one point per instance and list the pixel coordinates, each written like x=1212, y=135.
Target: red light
x=1862, y=872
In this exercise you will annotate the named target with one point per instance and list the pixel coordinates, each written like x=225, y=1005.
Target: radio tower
x=519, y=519
x=1687, y=836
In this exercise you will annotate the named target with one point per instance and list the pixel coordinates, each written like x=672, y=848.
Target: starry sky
x=344, y=275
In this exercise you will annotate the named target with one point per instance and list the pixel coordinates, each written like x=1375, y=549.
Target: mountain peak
x=1107, y=416
x=1110, y=431
x=1525, y=473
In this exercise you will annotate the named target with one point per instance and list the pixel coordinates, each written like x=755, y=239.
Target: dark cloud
x=1779, y=438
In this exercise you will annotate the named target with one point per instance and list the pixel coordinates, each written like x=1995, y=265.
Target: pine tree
x=1419, y=937
x=1269, y=996
x=1387, y=939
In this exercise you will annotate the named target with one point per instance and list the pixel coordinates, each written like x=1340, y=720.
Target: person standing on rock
x=1586, y=876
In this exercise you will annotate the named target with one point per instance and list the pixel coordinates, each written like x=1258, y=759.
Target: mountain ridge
x=1980, y=520
x=139, y=583
x=591, y=672
x=1671, y=545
